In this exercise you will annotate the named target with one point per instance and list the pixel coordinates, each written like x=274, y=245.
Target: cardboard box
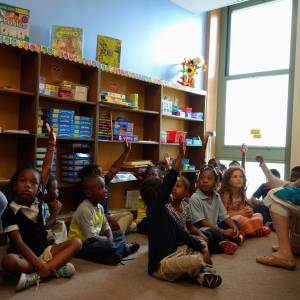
x=80, y=92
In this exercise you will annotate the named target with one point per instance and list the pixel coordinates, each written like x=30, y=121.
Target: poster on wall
x=108, y=51
x=68, y=39
x=14, y=22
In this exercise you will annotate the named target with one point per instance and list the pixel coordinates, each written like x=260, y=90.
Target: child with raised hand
x=56, y=229
x=210, y=215
x=233, y=194
x=89, y=224
x=167, y=261
x=119, y=221
x=29, y=252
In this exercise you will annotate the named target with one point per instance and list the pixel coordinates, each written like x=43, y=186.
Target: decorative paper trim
x=86, y=61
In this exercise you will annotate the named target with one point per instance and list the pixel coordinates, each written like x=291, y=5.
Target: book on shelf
x=137, y=163
x=67, y=39
x=108, y=51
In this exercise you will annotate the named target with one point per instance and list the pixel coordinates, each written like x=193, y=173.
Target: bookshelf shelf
x=20, y=107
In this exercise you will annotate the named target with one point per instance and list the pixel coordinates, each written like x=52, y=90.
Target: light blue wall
x=155, y=34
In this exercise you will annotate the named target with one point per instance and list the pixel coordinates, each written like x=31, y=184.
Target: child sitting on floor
x=210, y=215
x=56, y=229
x=29, y=252
x=179, y=208
x=118, y=221
x=233, y=194
x=89, y=224
x=167, y=261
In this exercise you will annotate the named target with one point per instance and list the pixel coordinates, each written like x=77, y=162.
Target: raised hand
x=167, y=159
x=244, y=148
x=259, y=158
x=182, y=147
x=127, y=146
x=52, y=135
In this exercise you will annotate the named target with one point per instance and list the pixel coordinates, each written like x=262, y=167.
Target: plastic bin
x=174, y=136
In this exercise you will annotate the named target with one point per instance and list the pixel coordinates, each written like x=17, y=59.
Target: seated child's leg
x=239, y=220
x=180, y=264
x=264, y=210
x=124, y=219
x=96, y=250
x=15, y=263
x=214, y=238
x=120, y=245
x=252, y=225
x=62, y=253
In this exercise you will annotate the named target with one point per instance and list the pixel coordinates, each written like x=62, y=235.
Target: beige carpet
x=243, y=279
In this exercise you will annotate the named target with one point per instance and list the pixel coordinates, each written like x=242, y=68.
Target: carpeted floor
x=243, y=279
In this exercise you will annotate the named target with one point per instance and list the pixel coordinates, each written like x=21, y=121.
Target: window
x=254, y=80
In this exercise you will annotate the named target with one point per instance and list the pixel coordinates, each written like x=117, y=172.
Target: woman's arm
x=274, y=181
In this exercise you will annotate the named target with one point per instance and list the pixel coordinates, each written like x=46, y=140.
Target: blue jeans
x=99, y=250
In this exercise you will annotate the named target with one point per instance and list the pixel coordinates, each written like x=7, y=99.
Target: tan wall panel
x=295, y=146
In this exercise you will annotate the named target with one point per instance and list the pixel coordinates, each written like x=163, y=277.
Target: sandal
x=288, y=263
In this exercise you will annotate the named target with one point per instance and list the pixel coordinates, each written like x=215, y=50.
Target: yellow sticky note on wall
x=257, y=136
x=255, y=131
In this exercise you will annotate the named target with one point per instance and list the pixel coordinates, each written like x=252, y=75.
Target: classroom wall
x=295, y=146
x=156, y=35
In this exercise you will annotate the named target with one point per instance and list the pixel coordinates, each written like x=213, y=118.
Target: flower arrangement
x=189, y=68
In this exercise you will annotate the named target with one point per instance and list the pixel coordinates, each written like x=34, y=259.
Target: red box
x=174, y=136
x=187, y=109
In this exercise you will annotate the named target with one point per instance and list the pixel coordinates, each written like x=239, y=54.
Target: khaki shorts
x=185, y=262
x=47, y=255
x=270, y=201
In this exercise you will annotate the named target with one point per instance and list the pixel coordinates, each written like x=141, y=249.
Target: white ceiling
x=197, y=6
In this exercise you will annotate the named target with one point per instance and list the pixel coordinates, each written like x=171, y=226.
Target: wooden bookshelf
x=115, y=107
x=181, y=118
x=9, y=91
x=20, y=101
x=65, y=100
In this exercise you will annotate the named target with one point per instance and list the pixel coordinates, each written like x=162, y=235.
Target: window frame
x=271, y=154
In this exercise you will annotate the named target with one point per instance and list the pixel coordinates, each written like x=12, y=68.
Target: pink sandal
x=264, y=231
x=229, y=247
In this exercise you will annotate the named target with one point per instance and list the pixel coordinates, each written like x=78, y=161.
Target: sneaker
x=132, y=228
x=134, y=247
x=27, y=280
x=264, y=231
x=208, y=279
x=66, y=271
x=229, y=247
